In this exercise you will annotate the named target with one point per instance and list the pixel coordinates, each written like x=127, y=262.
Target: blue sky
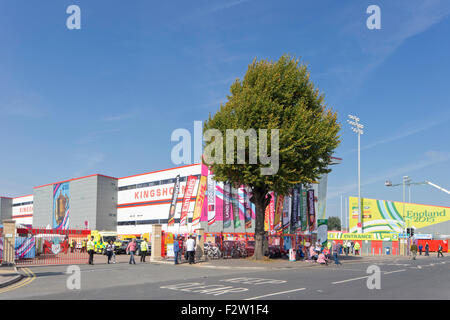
x=106, y=98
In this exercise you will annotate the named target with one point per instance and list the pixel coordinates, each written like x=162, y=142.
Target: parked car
x=122, y=249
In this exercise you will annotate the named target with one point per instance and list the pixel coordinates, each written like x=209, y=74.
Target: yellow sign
x=361, y=236
x=393, y=217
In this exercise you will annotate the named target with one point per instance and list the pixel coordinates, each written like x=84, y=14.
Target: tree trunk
x=261, y=202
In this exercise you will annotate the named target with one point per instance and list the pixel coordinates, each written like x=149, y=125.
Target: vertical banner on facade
x=173, y=203
x=286, y=214
x=295, y=208
x=227, y=205
x=278, y=212
x=311, y=211
x=211, y=198
x=61, y=196
x=304, y=208
x=247, y=208
x=235, y=206
x=188, y=191
x=199, y=201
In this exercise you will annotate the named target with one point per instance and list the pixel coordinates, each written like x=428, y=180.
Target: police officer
x=144, y=248
x=90, y=250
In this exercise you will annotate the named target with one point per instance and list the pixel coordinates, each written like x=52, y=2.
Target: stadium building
x=132, y=204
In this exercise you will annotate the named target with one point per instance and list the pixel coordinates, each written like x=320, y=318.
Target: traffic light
x=410, y=231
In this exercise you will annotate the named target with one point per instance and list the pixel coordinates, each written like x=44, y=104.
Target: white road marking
x=276, y=293
x=395, y=271
x=353, y=279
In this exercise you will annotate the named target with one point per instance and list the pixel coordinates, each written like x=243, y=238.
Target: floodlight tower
x=358, y=129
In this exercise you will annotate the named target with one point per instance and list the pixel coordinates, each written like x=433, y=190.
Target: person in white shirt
x=190, y=248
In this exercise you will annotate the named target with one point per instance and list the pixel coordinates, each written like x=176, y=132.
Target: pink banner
x=190, y=185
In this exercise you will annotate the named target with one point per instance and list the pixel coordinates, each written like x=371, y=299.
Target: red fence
x=434, y=245
x=43, y=246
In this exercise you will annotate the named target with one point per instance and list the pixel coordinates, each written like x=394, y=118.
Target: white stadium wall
x=22, y=210
x=145, y=199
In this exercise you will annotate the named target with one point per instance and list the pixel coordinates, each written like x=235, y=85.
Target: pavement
x=9, y=276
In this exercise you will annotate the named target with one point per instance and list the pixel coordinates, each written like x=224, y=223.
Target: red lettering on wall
x=164, y=192
x=158, y=193
x=145, y=193
x=171, y=191
x=136, y=195
x=152, y=193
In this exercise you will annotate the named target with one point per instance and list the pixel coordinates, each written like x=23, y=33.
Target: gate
x=43, y=246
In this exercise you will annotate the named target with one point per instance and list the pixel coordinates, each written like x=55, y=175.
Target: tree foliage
x=334, y=223
x=277, y=95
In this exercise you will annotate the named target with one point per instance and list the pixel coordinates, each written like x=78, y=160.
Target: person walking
x=440, y=254
x=90, y=250
x=190, y=248
x=335, y=249
x=83, y=246
x=427, y=249
x=144, y=248
x=414, y=251
x=113, y=251
x=109, y=250
x=176, y=249
x=346, y=247
x=131, y=249
x=357, y=246
x=420, y=249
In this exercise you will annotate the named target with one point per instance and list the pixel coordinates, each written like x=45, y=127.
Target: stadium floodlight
x=358, y=129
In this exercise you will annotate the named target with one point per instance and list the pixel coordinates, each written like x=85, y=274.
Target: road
x=400, y=278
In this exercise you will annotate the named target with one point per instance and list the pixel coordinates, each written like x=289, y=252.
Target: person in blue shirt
x=176, y=249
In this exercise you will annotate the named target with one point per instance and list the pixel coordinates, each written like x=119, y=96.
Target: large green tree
x=274, y=96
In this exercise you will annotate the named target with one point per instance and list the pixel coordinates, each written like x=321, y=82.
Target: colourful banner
x=61, y=201
x=303, y=209
x=277, y=226
x=311, y=211
x=295, y=204
x=173, y=203
x=247, y=208
x=227, y=208
x=235, y=206
x=211, y=198
x=393, y=216
x=199, y=201
x=188, y=191
x=286, y=214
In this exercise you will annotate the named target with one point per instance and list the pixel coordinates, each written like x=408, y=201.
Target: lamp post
x=357, y=128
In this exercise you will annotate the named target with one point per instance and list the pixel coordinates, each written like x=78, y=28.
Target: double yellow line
x=30, y=276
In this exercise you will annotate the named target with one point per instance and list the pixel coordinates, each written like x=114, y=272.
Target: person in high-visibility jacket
x=90, y=249
x=357, y=246
x=144, y=248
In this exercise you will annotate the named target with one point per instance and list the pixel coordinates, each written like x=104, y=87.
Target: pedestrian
x=335, y=249
x=83, y=246
x=440, y=254
x=346, y=247
x=131, y=249
x=357, y=246
x=176, y=249
x=420, y=249
x=144, y=248
x=113, y=251
x=414, y=251
x=90, y=250
x=427, y=249
x=109, y=250
x=321, y=259
x=190, y=248
x=72, y=246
